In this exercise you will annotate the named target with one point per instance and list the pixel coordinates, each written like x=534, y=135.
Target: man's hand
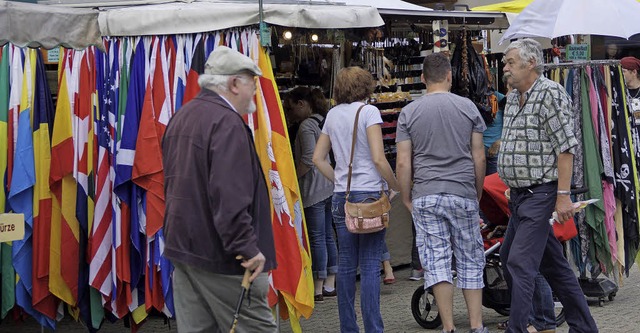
x=493, y=150
x=255, y=265
x=564, y=208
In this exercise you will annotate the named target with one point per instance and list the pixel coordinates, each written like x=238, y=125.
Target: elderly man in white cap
x=217, y=202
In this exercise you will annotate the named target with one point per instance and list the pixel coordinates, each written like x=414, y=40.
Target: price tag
x=53, y=55
x=578, y=52
x=11, y=227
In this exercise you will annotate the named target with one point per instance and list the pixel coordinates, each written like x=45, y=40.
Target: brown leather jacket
x=217, y=202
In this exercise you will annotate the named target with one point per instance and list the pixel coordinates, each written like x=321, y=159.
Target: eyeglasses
x=246, y=79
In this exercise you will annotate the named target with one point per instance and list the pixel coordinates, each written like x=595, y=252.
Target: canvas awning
x=210, y=15
x=25, y=24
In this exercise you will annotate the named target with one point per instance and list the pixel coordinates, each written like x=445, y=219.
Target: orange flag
x=292, y=279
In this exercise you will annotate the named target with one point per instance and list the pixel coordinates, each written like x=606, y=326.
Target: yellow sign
x=11, y=227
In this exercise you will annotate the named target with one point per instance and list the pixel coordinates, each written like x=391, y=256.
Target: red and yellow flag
x=64, y=224
x=292, y=279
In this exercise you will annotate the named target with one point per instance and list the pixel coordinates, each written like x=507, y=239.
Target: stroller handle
x=492, y=249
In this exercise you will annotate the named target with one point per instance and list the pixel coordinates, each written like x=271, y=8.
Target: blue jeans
x=386, y=255
x=324, y=254
x=364, y=250
x=543, y=315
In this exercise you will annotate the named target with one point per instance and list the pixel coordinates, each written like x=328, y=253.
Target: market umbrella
x=515, y=6
x=554, y=18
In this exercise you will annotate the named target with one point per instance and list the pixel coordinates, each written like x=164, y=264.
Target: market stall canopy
x=385, y=6
x=25, y=24
x=210, y=15
x=554, y=18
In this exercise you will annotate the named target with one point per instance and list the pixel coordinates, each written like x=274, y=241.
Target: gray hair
x=215, y=82
x=529, y=50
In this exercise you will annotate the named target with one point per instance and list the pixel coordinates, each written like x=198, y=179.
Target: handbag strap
x=353, y=146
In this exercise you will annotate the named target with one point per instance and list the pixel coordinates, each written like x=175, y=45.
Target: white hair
x=529, y=50
x=214, y=82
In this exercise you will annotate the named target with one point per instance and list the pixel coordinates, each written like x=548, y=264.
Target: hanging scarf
x=624, y=167
x=605, y=155
x=579, y=245
x=599, y=246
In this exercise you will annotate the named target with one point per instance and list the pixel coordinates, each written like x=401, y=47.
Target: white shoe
x=416, y=275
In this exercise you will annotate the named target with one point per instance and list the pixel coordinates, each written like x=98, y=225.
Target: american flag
x=100, y=271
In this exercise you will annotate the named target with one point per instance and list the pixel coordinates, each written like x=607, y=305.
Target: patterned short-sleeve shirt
x=535, y=134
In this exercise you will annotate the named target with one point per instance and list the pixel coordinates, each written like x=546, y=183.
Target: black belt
x=532, y=188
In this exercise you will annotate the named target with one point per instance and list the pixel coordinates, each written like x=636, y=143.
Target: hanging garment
x=599, y=247
x=580, y=245
x=624, y=167
x=596, y=82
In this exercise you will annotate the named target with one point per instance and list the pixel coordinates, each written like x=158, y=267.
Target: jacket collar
x=213, y=97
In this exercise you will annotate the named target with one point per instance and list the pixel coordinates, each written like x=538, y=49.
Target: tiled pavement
x=621, y=315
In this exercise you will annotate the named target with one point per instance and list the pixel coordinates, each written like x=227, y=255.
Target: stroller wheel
x=425, y=309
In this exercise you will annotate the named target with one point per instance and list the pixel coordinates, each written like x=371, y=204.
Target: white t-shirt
x=339, y=127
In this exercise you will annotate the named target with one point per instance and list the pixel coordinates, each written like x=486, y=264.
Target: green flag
x=6, y=266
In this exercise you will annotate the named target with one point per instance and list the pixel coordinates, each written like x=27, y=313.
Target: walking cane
x=245, y=288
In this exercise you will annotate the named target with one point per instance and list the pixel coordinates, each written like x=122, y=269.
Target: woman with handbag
x=353, y=131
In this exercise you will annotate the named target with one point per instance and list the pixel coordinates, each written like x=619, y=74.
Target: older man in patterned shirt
x=536, y=161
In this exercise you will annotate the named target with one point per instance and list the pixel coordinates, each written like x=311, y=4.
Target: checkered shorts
x=444, y=223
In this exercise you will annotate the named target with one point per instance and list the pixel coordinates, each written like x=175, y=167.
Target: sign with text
x=578, y=52
x=11, y=227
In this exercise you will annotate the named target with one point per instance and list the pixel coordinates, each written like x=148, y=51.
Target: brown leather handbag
x=370, y=215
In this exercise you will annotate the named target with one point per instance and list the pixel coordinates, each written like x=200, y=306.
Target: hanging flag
x=147, y=167
x=63, y=273
x=43, y=113
x=83, y=173
x=120, y=59
x=21, y=195
x=100, y=241
x=292, y=279
x=130, y=252
x=196, y=68
x=6, y=268
x=180, y=73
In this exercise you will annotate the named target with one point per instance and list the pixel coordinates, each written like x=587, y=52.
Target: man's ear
x=422, y=79
x=232, y=84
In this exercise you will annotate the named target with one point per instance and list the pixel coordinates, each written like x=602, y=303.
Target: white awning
x=25, y=24
x=211, y=15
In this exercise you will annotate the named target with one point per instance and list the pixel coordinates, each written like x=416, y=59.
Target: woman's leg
x=347, y=266
x=315, y=226
x=332, y=251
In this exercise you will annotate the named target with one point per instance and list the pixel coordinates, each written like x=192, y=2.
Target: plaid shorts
x=444, y=223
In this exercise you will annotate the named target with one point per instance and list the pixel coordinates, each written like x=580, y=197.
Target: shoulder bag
x=369, y=215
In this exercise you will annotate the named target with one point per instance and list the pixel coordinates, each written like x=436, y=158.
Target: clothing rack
x=575, y=64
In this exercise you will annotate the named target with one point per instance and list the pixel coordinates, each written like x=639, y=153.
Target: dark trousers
x=530, y=246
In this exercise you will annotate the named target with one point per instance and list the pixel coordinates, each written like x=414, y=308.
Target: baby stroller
x=495, y=294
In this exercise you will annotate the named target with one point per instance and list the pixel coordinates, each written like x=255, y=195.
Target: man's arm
x=404, y=170
x=231, y=185
x=479, y=161
x=564, y=206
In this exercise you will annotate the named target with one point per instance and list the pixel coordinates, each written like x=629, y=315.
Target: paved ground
x=621, y=315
